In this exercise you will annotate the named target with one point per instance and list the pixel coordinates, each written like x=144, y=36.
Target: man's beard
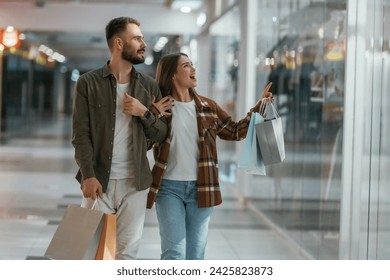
x=133, y=59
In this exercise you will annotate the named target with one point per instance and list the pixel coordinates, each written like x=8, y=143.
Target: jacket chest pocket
x=98, y=111
x=97, y=105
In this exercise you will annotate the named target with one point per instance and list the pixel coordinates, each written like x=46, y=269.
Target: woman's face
x=185, y=74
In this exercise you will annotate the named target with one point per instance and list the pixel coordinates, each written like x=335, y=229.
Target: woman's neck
x=182, y=96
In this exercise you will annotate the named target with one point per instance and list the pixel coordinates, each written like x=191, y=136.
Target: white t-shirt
x=184, y=150
x=122, y=166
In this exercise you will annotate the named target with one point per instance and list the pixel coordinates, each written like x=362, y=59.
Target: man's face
x=133, y=45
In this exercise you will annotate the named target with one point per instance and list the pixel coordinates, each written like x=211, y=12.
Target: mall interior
x=328, y=61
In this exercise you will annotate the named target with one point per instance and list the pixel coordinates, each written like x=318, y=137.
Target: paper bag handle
x=276, y=115
x=94, y=203
x=263, y=106
x=86, y=203
x=265, y=103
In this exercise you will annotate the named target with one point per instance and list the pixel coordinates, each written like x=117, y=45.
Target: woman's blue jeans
x=183, y=226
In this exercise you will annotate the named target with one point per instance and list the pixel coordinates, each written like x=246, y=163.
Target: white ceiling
x=75, y=28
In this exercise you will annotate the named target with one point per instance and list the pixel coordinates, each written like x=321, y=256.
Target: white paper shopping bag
x=271, y=139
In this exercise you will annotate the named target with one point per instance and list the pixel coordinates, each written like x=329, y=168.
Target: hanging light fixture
x=10, y=37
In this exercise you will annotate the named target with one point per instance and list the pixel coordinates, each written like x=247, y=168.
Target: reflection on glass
x=303, y=54
x=225, y=47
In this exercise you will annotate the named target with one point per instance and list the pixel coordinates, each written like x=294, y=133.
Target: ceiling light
x=185, y=9
x=75, y=75
x=186, y=6
x=51, y=54
x=201, y=19
x=149, y=59
x=162, y=41
x=10, y=37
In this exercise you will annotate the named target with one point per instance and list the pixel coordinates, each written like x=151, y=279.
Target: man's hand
x=132, y=106
x=92, y=188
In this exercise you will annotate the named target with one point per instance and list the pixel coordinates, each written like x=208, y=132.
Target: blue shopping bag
x=250, y=157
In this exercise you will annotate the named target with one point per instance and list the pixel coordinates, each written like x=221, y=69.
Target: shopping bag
x=270, y=137
x=107, y=243
x=81, y=234
x=250, y=157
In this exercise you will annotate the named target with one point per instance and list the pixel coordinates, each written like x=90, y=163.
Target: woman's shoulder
x=206, y=100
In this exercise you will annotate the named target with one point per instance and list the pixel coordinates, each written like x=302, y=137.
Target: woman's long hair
x=166, y=69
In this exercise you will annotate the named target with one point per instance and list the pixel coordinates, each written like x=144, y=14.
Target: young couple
x=119, y=113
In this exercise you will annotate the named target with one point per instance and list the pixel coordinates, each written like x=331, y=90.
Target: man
x=112, y=130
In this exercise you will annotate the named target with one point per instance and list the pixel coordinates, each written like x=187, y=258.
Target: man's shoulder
x=143, y=77
x=98, y=72
x=92, y=79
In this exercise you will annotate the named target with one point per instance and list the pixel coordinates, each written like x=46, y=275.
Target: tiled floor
x=37, y=184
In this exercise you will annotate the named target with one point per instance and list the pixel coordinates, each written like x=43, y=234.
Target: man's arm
x=155, y=128
x=81, y=140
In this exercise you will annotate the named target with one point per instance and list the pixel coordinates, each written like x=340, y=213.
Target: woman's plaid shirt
x=212, y=121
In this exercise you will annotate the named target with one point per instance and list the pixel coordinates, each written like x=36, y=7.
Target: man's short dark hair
x=118, y=25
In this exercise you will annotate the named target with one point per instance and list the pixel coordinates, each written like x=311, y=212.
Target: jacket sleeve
x=155, y=128
x=227, y=129
x=81, y=139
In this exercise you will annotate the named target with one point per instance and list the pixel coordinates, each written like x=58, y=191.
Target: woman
x=185, y=175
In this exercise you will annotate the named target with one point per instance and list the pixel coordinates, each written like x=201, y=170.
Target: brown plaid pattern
x=212, y=121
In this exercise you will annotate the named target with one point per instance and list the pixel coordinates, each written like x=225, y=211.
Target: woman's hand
x=265, y=99
x=164, y=105
x=266, y=93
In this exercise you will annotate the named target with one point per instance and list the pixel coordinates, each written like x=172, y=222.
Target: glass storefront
x=300, y=48
x=26, y=95
x=365, y=204
x=328, y=62
x=223, y=79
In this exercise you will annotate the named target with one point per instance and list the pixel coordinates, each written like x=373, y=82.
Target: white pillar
x=247, y=74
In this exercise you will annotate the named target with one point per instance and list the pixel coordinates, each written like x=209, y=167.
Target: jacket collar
x=200, y=102
x=107, y=72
